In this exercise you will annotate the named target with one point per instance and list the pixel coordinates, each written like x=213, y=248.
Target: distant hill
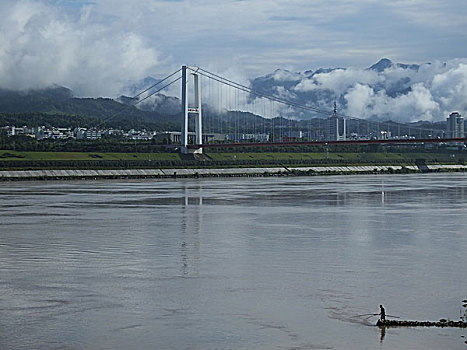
x=61, y=100
x=58, y=101
x=162, y=104
x=57, y=106
x=384, y=91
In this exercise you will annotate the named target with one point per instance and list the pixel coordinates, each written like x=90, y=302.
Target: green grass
x=93, y=156
x=353, y=157
x=20, y=160
x=265, y=156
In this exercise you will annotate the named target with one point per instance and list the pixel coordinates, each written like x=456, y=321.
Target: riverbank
x=61, y=174
x=341, y=157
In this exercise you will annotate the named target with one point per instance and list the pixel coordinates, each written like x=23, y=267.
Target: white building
x=175, y=137
x=88, y=134
x=335, y=128
x=258, y=137
x=384, y=135
x=140, y=134
x=455, y=126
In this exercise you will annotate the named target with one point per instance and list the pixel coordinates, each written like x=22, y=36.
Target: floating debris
x=441, y=323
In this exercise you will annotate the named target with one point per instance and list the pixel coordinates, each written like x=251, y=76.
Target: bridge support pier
x=187, y=72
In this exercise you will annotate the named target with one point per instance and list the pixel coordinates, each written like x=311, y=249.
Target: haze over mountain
x=56, y=106
x=386, y=90
x=383, y=91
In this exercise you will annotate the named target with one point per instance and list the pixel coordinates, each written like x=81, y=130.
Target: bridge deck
x=323, y=143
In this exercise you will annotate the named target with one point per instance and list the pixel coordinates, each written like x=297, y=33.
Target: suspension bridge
x=221, y=113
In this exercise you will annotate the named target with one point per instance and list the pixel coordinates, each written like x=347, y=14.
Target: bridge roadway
x=323, y=143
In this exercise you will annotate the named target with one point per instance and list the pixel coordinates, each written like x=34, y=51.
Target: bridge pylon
x=187, y=72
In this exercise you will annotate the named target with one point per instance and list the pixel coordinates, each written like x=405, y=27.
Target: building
x=88, y=134
x=240, y=137
x=291, y=136
x=175, y=137
x=58, y=133
x=335, y=128
x=455, y=126
x=140, y=134
x=384, y=135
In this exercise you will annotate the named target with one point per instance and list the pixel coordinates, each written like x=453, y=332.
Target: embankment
x=61, y=174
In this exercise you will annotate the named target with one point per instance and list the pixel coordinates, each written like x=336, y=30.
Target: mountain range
x=322, y=87
x=383, y=91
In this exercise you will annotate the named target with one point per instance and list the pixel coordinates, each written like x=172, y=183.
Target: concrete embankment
x=6, y=175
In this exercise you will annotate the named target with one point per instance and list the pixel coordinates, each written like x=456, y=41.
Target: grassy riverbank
x=15, y=160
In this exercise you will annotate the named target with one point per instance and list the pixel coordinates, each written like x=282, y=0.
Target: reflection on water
x=284, y=263
x=383, y=334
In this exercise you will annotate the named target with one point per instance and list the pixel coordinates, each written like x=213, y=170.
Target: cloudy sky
x=98, y=47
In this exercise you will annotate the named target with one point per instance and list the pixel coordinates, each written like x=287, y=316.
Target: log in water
x=441, y=323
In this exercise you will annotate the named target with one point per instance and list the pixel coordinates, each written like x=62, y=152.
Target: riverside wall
x=7, y=175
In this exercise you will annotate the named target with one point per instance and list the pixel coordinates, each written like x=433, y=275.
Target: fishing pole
x=366, y=315
x=376, y=315
x=391, y=316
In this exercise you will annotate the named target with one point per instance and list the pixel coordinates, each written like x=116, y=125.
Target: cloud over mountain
x=44, y=45
x=101, y=47
x=386, y=90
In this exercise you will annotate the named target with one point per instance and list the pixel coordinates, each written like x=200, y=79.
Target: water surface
x=275, y=263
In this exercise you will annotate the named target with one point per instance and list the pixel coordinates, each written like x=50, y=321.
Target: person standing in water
x=382, y=314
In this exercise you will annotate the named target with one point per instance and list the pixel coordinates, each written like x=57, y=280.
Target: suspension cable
x=260, y=94
x=244, y=88
x=154, y=85
x=105, y=120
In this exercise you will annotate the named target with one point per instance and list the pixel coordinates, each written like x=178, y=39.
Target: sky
x=98, y=47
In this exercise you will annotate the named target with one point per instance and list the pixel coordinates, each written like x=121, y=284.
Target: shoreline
x=74, y=174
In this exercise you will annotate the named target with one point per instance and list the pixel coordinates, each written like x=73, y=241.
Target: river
x=233, y=263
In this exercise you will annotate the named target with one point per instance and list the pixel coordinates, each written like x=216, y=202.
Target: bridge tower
x=187, y=72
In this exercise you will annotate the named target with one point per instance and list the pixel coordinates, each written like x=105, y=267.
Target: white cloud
x=430, y=91
x=43, y=45
x=97, y=47
x=429, y=13
x=339, y=80
x=360, y=100
x=420, y=103
x=285, y=75
x=451, y=87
